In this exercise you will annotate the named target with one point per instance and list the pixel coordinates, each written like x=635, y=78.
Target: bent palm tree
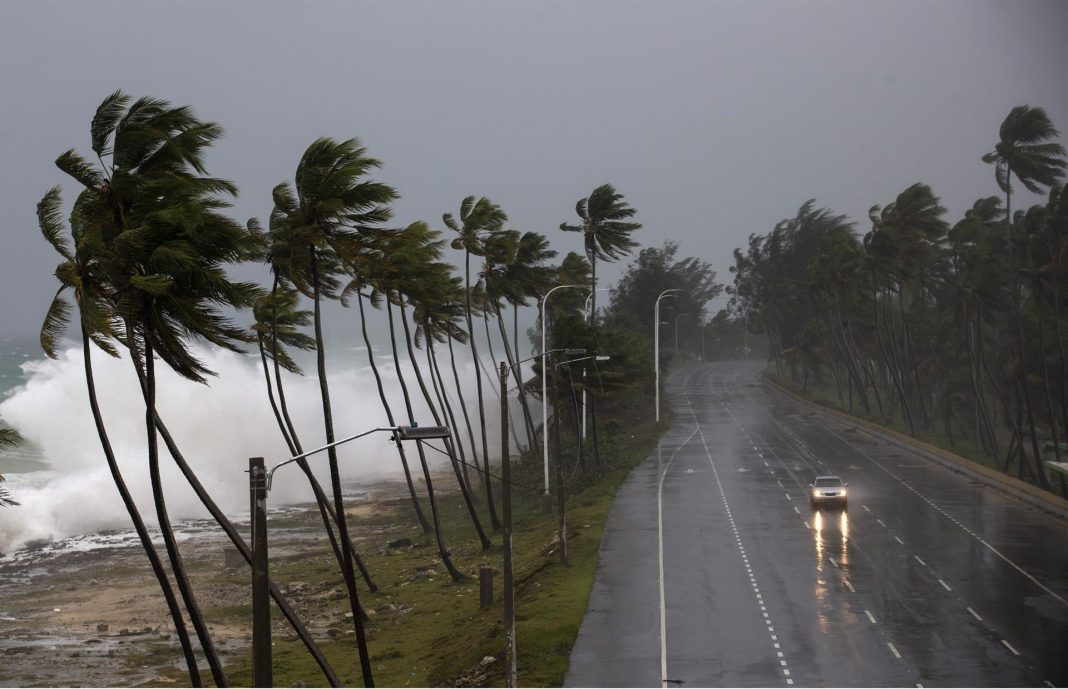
x=324, y=215
x=9, y=438
x=477, y=219
x=1024, y=148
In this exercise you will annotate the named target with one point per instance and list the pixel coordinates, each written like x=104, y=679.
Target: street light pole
x=545, y=390
x=656, y=344
x=259, y=485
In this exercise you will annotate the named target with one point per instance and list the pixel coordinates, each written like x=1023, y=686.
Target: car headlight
x=843, y=493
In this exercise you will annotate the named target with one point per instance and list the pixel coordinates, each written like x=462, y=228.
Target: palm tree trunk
x=493, y=358
x=467, y=420
x=442, y=550
x=486, y=544
x=494, y=521
x=561, y=510
x=335, y=481
x=135, y=516
x=443, y=398
x=532, y=443
x=423, y=524
x=196, y=618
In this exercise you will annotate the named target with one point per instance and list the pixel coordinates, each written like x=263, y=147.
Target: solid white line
x=870, y=616
x=893, y=650
x=975, y=614
x=660, y=548
x=1009, y=646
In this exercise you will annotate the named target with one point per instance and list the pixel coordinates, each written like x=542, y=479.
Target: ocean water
x=60, y=476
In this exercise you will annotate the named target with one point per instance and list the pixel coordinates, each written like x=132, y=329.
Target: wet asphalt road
x=716, y=571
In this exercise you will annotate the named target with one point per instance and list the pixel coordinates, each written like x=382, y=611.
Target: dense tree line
x=144, y=255
x=952, y=328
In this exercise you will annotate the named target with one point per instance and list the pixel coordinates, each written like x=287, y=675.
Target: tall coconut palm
x=1024, y=149
x=606, y=230
x=477, y=220
x=330, y=206
x=164, y=247
x=80, y=272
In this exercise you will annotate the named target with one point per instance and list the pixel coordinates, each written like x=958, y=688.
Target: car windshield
x=828, y=482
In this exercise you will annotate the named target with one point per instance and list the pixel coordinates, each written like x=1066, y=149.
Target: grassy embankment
x=424, y=629
x=825, y=394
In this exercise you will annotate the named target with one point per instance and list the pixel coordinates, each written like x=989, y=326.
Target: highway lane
x=715, y=570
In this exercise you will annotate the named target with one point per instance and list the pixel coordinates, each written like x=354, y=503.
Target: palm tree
x=163, y=247
x=9, y=438
x=1024, y=149
x=325, y=214
x=477, y=220
x=81, y=272
x=606, y=231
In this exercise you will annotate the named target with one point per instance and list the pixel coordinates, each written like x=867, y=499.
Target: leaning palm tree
x=606, y=230
x=80, y=273
x=9, y=438
x=1026, y=150
x=164, y=245
x=476, y=221
x=323, y=217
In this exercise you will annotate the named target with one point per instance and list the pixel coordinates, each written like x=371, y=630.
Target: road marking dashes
x=1009, y=646
x=870, y=616
x=893, y=650
x=975, y=614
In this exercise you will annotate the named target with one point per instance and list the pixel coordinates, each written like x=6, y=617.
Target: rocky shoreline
x=88, y=612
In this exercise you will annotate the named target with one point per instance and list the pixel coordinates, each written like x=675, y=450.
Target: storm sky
x=714, y=119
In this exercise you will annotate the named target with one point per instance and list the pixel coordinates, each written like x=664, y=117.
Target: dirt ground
x=97, y=617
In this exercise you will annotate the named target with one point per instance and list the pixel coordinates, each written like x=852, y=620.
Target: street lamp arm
x=403, y=432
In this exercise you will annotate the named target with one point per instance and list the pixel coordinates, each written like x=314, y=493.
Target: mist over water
x=217, y=426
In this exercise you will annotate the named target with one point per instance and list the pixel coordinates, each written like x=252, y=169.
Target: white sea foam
x=217, y=427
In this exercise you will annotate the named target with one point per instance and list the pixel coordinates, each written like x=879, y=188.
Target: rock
x=101, y=627
x=400, y=543
x=147, y=630
x=333, y=632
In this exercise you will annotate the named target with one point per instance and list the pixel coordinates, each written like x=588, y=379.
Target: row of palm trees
x=144, y=253
x=955, y=329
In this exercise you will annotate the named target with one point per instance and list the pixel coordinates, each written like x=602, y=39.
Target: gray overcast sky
x=715, y=119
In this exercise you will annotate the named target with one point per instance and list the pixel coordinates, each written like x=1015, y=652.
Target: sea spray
x=218, y=427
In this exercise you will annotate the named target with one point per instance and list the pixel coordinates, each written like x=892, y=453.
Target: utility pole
x=261, y=596
x=506, y=508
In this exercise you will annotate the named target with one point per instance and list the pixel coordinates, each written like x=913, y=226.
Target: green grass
x=425, y=629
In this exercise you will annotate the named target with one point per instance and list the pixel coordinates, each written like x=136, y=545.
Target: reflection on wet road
x=717, y=571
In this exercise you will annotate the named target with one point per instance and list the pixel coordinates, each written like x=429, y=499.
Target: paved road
x=715, y=570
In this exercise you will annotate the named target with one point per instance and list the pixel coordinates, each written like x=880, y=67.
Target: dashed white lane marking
x=919, y=560
x=865, y=508
x=893, y=650
x=975, y=614
x=870, y=616
x=919, y=685
x=797, y=510
x=896, y=538
x=1009, y=646
x=807, y=525
x=954, y=520
x=944, y=585
x=660, y=548
x=833, y=561
x=849, y=586
x=741, y=550
x=881, y=522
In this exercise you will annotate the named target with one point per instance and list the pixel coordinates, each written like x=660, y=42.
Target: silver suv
x=828, y=490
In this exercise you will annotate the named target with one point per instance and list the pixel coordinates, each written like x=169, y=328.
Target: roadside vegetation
x=144, y=253
x=951, y=330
